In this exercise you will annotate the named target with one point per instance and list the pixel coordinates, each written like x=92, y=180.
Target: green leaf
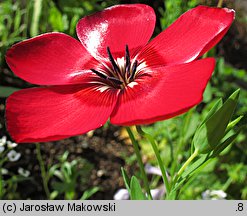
x=90, y=192
x=5, y=91
x=224, y=144
x=233, y=123
x=70, y=195
x=56, y=19
x=64, y=157
x=215, y=108
x=207, y=96
x=53, y=195
x=60, y=187
x=58, y=174
x=126, y=179
x=136, y=190
x=213, y=129
x=52, y=170
x=195, y=165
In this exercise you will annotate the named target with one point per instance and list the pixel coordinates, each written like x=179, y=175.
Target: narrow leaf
x=233, y=123
x=90, y=192
x=213, y=129
x=223, y=145
x=218, y=104
x=195, y=165
x=126, y=179
x=136, y=190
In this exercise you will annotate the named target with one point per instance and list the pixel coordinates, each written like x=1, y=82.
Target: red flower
x=113, y=72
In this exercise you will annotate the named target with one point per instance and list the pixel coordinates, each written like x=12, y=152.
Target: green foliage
x=68, y=175
x=126, y=179
x=173, y=9
x=136, y=190
x=213, y=129
x=212, y=144
x=12, y=27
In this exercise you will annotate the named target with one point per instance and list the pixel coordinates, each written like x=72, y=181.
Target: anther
x=112, y=79
x=99, y=73
x=127, y=59
x=116, y=68
x=133, y=70
x=115, y=80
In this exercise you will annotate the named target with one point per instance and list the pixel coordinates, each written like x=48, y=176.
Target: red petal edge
x=189, y=37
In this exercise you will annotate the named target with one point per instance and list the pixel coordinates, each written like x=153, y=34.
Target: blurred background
x=88, y=166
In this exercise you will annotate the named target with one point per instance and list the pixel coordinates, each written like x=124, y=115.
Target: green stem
x=43, y=171
x=220, y=3
x=37, y=8
x=181, y=143
x=187, y=162
x=180, y=172
x=170, y=143
x=227, y=184
x=157, y=154
x=140, y=163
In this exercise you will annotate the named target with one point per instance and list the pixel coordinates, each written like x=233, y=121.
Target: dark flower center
x=120, y=73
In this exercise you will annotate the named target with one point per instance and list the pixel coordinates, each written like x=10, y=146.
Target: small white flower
x=13, y=155
x=11, y=144
x=214, y=195
x=220, y=194
x=152, y=170
x=23, y=172
x=4, y=171
x=121, y=194
x=158, y=193
x=1, y=149
x=3, y=141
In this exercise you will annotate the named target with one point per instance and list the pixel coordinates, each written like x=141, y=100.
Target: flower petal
x=47, y=114
x=163, y=93
x=115, y=27
x=50, y=59
x=190, y=36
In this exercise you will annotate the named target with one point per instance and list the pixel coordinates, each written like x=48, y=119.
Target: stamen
x=115, y=80
x=115, y=66
x=127, y=58
x=121, y=72
x=99, y=73
x=133, y=70
x=112, y=79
